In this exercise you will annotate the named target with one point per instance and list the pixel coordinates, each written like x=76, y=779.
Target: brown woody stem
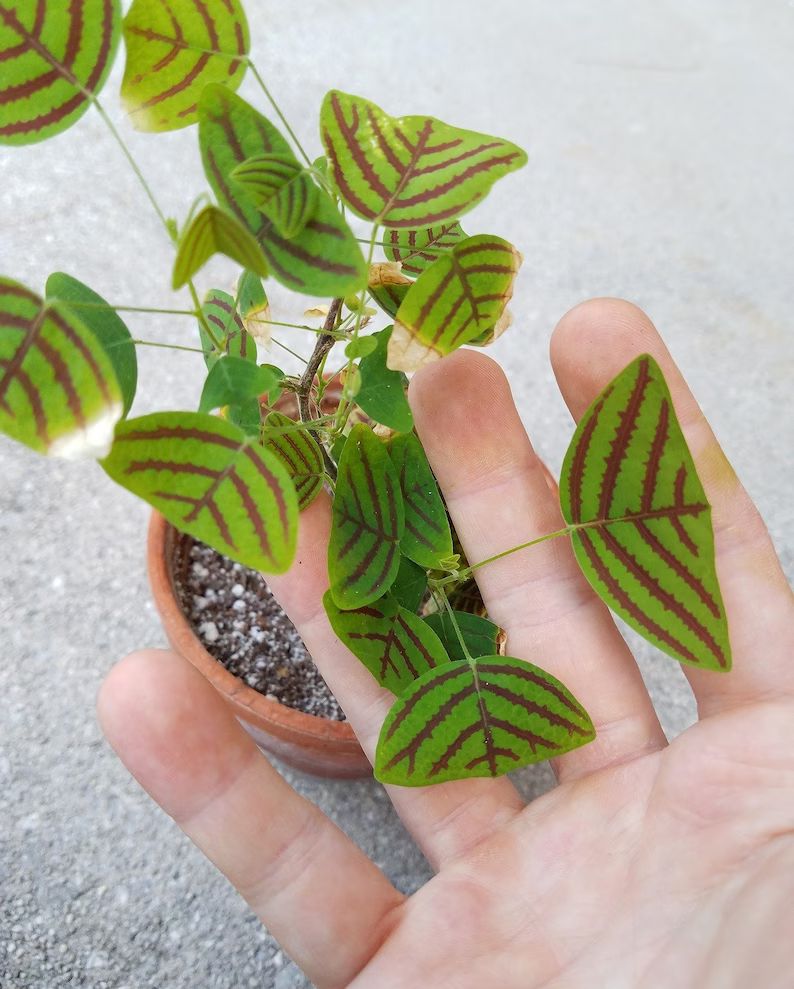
x=325, y=342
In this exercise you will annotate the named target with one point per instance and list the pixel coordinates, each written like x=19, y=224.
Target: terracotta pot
x=315, y=745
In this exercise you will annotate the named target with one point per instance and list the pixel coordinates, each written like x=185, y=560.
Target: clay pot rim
x=262, y=710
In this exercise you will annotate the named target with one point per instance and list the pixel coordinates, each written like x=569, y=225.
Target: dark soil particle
x=242, y=625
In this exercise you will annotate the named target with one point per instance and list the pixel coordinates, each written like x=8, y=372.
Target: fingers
x=445, y=820
x=592, y=344
x=498, y=496
x=318, y=894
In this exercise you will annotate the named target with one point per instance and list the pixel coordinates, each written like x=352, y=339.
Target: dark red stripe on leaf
x=580, y=458
x=178, y=432
x=383, y=144
x=428, y=195
x=368, y=173
x=678, y=568
x=683, y=535
x=655, y=458
x=449, y=162
x=410, y=751
x=173, y=466
x=64, y=378
x=459, y=671
x=531, y=707
x=534, y=740
x=627, y=423
x=252, y=511
x=34, y=400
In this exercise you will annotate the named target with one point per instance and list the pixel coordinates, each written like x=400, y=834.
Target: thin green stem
x=165, y=346
x=277, y=108
x=468, y=571
x=442, y=594
x=137, y=309
x=424, y=250
x=289, y=350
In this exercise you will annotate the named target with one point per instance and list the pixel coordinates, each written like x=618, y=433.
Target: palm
x=650, y=865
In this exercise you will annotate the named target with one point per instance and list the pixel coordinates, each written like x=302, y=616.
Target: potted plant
x=236, y=473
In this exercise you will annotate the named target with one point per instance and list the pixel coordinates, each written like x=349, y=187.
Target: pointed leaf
x=458, y=721
x=254, y=307
x=410, y=585
x=174, y=50
x=211, y=481
x=300, y=454
x=324, y=259
x=427, y=539
x=106, y=325
x=394, y=644
x=54, y=58
x=58, y=390
x=481, y=636
x=408, y=171
x=382, y=391
x=388, y=286
x=214, y=232
x=458, y=298
x=367, y=522
x=233, y=380
x=281, y=188
x=416, y=250
x=220, y=312
x=649, y=554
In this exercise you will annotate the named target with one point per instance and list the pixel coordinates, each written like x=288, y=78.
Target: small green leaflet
x=220, y=312
x=174, y=50
x=300, y=454
x=457, y=721
x=458, y=298
x=106, y=325
x=367, y=522
x=408, y=171
x=427, y=539
x=416, y=250
x=481, y=636
x=388, y=286
x=646, y=544
x=214, y=232
x=58, y=390
x=382, y=391
x=211, y=481
x=233, y=380
x=324, y=259
x=394, y=644
x=281, y=188
x=253, y=306
x=410, y=585
x=55, y=56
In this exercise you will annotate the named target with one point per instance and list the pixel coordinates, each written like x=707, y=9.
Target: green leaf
x=649, y=554
x=281, y=188
x=55, y=57
x=427, y=539
x=394, y=644
x=408, y=171
x=388, y=286
x=233, y=380
x=410, y=585
x=457, y=721
x=253, y=306
x=174, y=50
x=247, y=416
x=226, y=324
x=458, y=298
x=382, y=391
x=300, y=454
x=106, y=325
x=58, y=389
x=324, y=259
x=367, y=522
x=481, y=636
x=211, y=481
x=214, y=232
x=416, y=250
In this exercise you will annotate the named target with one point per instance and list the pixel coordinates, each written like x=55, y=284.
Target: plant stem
x=289, y=350
x=321, y=349
x=165, y=346
x=277, y=108
x=442, y=594
x=138, y=309
x=468, y=571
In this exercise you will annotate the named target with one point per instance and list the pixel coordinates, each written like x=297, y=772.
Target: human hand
x=650, y=865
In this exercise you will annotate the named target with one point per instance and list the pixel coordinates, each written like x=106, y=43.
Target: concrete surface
x=662, y=169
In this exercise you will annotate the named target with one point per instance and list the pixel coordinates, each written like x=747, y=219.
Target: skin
x=650, y=865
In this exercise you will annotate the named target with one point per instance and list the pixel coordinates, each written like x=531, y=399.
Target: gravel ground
x=662, y=169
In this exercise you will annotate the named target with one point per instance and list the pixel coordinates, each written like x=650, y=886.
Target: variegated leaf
x=394, y=644
x=281, y=188
x=214, y=232
x=388, y=286
x=254, y=307
x=642, y=523
x=300, y=454
x=427, y=539
x=174, y=49
x=416, y=250
x=58, y=390
x=212, y=481
x=55, y=57
x=458, y=298
x=482, y=719
x=408, y=171
x=227, y=326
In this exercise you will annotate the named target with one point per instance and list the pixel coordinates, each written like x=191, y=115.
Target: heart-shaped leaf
x=233, y=380
x=214, y=232
x=394, y=644
x=211, y=481
x=55, y=57
x=408, y=171
x=416, y=250
x=427, y=539
x=227, y=326
x=645, y=543
x=281, y=188
x=324, y=259
x=367, y=522
x=388, y=286
x=106, y=325
x=58, y=390
x=458, y=298
x=481, y=636
x=486, y=719
x=174, y=50
x=382, y=391
x=300, y=454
